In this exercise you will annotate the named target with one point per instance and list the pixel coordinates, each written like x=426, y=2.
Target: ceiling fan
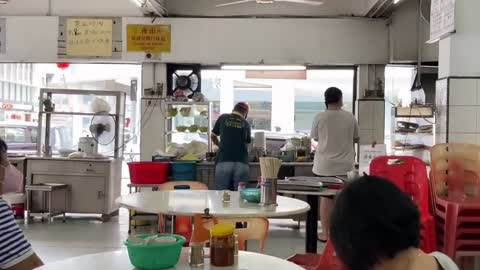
x=305, y=2
x=151, y=7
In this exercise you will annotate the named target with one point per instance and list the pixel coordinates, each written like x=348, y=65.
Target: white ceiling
x=193, y=8
x=328, y=9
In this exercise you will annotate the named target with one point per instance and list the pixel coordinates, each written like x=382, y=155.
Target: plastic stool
x=47, y=189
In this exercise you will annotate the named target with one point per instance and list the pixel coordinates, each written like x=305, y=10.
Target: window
x=309, y=97
x=260, y=101
x=281, y=102
x=12, y=135
x=34, y=135
x=398, y=81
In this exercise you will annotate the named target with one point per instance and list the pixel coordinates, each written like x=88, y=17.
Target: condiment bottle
x=236, y=245
x=226, y=197
x=222, y=245
x=236, y=249
x=196, y=254
x=241, y=187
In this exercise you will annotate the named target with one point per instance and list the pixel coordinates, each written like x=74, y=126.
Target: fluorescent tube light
x=262, y=67
x=396, y=1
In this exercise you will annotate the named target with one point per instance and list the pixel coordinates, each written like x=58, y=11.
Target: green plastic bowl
x=251, y=195
x=155, y=256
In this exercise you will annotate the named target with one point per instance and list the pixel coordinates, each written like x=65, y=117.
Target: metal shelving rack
x=418, y=115
x=119, y=115
x=170, y=122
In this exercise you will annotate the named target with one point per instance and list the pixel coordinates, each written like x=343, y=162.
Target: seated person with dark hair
x=375, y=226
x=16, y=253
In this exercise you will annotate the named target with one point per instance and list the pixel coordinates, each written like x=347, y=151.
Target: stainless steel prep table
x=93, y=184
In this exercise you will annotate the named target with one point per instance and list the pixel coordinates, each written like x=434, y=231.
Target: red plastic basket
x=145, y=172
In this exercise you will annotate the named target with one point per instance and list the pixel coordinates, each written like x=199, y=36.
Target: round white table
x=118, y=260
x=191, y=202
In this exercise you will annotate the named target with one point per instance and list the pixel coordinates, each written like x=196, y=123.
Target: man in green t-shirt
x=232, y=157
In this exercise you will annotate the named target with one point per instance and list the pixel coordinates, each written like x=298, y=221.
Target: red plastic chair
x=456, y=180
x=200, y=233
x=410, y=175
x=309, y=261
x=328, y=260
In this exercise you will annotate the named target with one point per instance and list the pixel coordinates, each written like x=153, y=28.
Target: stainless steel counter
x=206, y=171
x=299, y=164
x=60, y=158
x=16, y=159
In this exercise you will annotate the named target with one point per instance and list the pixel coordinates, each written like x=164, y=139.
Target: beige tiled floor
x=81, y=236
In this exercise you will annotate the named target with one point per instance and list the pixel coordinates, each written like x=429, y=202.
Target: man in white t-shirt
x=336, y=132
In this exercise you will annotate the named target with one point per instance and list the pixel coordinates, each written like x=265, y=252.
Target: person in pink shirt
x=16, y=253
x=13, y=178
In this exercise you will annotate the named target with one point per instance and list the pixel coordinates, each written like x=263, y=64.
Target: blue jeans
x=229, y=174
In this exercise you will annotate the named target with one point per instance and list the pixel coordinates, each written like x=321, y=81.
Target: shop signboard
x=154, y=38
x=442, y=19
x=89, y=37
x=17, y=107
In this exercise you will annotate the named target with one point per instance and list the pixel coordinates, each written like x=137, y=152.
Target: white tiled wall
x=366, y=136
x=441, y=109
x=468, y=89
x=464, y=111
x=371, y=120
x=455, y=137
x=463, y=119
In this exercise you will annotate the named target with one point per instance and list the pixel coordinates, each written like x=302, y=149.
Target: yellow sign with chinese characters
x=148, y=38
x=89, y=37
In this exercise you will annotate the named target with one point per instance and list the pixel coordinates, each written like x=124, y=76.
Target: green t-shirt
x=235, y=135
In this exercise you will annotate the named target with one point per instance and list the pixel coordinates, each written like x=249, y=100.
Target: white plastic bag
x=100, y=105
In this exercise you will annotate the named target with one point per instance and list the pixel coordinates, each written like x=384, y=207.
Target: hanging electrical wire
x=422, y=13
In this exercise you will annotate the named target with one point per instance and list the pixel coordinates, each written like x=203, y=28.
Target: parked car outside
x=19, y=137
x=23, y=137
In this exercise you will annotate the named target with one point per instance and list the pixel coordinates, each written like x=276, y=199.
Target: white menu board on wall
x=89, y=37
x=367, y=153
x=442, y=19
